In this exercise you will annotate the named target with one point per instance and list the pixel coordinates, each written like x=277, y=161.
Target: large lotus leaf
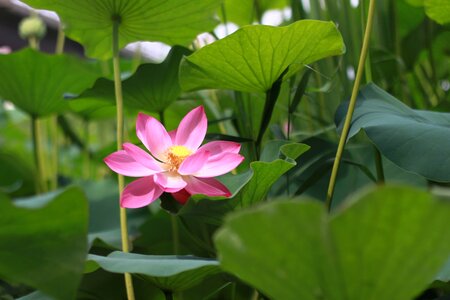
x=173, y=273
x=36, y=82
x=153, y=87
x=90, y=22
x=277, y=158
x=386, y=244
x=254, y=57
x=417, y=141
x=43, y=242
x=438, y=10
x=246, y=12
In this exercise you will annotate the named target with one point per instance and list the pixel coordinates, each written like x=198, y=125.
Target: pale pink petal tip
x=140, y=193
x=153, y=135
x=192, y=129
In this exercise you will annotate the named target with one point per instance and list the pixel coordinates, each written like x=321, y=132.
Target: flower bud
x=33, y=26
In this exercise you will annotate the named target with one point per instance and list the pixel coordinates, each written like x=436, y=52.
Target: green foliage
x=254, y=57
x=44, y=242
x=438, y=10
x=172, y=22
x=277, y=158
x=152, y=88
x=388, y=243
x=293, y=250
x=403, y=134
x=36, y=82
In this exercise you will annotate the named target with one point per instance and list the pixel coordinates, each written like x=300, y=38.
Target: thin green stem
x=60, y=40
x=86, y=154
x=59, y=49
x=37, y=151
x=119, y=120
x=33, y=42
x=368, y=74
x=351, y=106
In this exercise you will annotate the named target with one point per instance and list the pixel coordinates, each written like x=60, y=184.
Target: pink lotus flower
x=176, y=163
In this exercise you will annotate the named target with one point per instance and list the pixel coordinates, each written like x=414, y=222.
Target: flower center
x=176, y=155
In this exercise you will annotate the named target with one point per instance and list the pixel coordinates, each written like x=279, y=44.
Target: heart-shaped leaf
x=152, y=88
x=171, y=273
x=90, y=22
x=254, y=57
x=388, y=244
x=36, y=82
x=277, y=158
x=402, y=134
x=45, y=246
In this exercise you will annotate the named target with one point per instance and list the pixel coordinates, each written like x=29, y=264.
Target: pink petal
x=192, y=129
x=142, y=157
x=170, y=182
x=193, y=163
x=220, y=147
x=173, y=134
x=121, y=162
x=220, y=165
x=206, y=186
x=140, y=192
x=181, y=196
x=153, y=135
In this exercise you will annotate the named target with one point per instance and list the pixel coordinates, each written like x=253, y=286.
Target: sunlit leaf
x=254, y=57
x=277, y=158
x=438, y=10
x=386, y=244
x=402, y=134
x=91, y=22
x=43, y=245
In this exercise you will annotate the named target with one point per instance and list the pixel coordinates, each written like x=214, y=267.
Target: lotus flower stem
x=119, y=119
x=37, y=149
x=351, y=106
x=59, y=49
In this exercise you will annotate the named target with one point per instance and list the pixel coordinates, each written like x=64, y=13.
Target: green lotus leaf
x=255, y=56
x=90, y=22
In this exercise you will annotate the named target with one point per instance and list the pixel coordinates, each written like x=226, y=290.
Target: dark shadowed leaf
x=44, y=245
x=402, y=134
x=152, y=88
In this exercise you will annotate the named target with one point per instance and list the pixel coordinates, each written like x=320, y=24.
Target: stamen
x=176, y=155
